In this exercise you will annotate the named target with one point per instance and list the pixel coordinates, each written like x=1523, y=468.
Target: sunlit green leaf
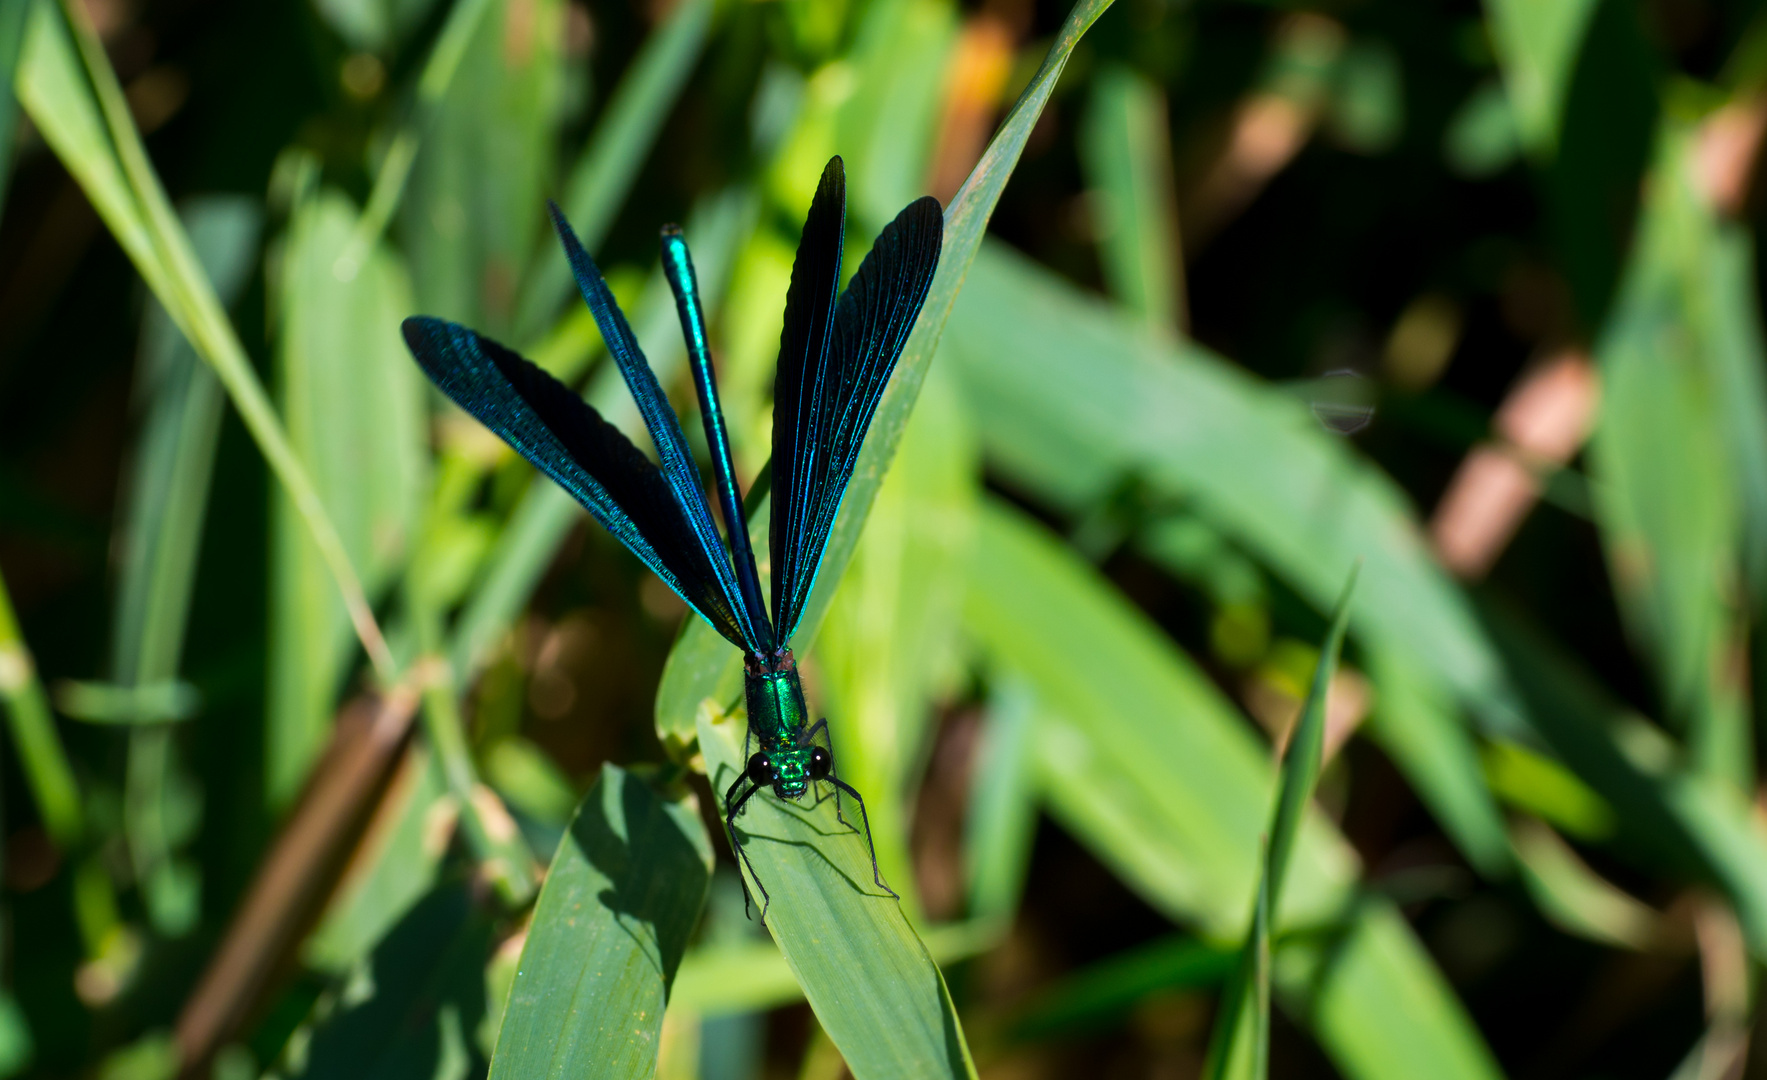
x=623, y=894
x=873, y=985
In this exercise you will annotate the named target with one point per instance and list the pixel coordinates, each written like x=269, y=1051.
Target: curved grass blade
x=888, y=647
x=873, y=985
x=1141, y=759
x=160, y=538
x=1071, y=397
x=88, y=125
x=1241, y=1043
x=609, y=931
x=1671, y=459
x=44, y=759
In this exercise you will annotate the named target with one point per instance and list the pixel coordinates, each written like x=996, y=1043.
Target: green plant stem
x=46, y=765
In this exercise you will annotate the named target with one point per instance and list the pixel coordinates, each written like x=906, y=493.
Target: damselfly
x=836, y=353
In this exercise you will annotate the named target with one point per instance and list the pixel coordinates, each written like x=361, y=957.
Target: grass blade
x=1002, y=818
x=1538, y=41
x=1672, y=487
x=87, y=124
x=13, y=19
x=1241, y=1042
x=871, y=982
x=1141, y=759
x=354, y=406
x=401, y=153
x=166, y=503
x=1692, y=826
x=611, y=926
x=966, y=220
x=889, y=642
x=1126, y=149
x=1073, y=397
x=40, y=752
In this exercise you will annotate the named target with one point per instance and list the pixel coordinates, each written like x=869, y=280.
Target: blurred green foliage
x=338, y=745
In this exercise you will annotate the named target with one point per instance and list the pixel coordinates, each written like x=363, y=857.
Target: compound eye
x=761, y=770
x=821, y=763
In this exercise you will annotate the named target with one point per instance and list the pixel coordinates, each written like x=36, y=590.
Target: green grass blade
x=1676, y=437
x=1684, y=824
x=718, y=980
x=598, y=181
x=888, y=646
x=1107, y=991
x=1241, y=1042
x=40, y=752
x=166, y=495
x=1002, y=817
x=166, y=502
x=1140, y=758
x=86, y=122
x=1415, y=723
x=871, y=982
x=1306, y=749
x=1126, y=150
x=1072, y=396
x=611, y=926
x=1139, y=720
x=1574, y=897
x=354, y=405
x=13, y=19
x=401, y=153
x=467, y=229
x=888, y=127
x=1538, y=42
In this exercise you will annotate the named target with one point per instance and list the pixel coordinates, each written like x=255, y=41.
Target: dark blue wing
x=678, y=467
x=833, y=366
x=569, y=441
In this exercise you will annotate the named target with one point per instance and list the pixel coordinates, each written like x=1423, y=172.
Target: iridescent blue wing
x=568, y=440
x=678, y=268
x=834, y=362
x=678, y=467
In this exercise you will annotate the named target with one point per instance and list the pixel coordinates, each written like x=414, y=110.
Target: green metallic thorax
x=777, y=720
